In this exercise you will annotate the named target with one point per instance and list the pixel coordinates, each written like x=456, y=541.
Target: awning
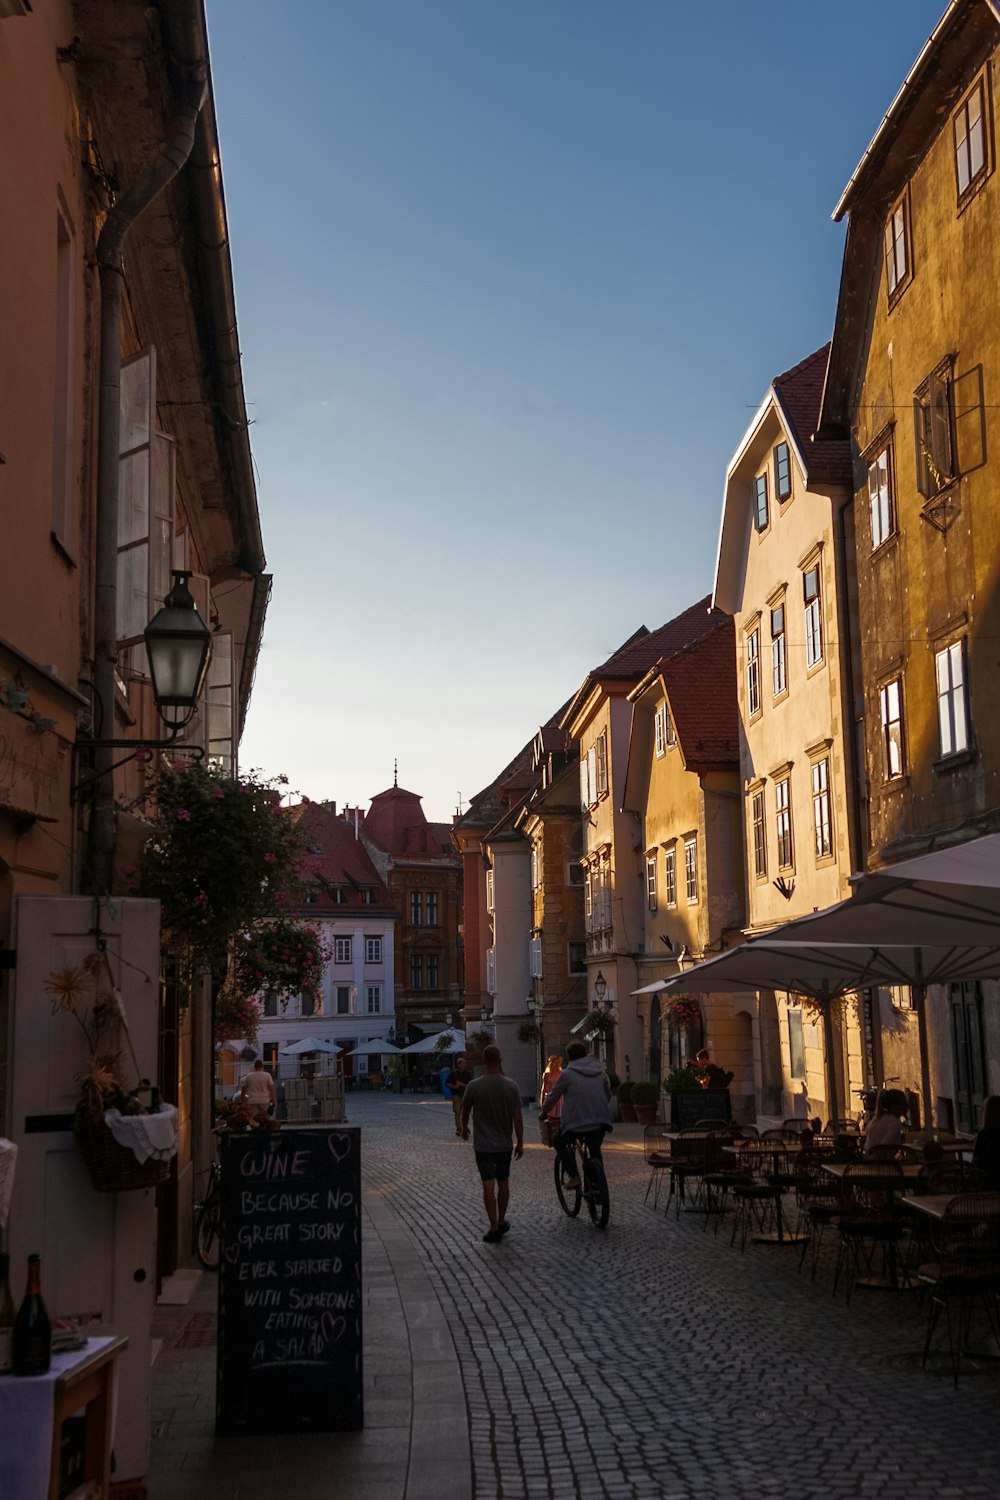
x=650, y=989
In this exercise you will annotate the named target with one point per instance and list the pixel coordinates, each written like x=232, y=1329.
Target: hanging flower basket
x=280, y=957
x=601, y=1023
x=684, y=1011
x=528, y=1031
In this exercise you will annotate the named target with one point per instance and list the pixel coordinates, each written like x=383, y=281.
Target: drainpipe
x=169, y=161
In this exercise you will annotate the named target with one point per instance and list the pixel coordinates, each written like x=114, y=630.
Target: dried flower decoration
x=66, y=987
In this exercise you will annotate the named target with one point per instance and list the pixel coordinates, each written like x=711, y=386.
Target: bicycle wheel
x=596, y=1192
x=207, y=1234
x=569, y=1198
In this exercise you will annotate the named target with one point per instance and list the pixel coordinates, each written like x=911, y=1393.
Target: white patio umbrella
x=455, y=1043
x=308, y=1044
x=934, y=919
x=373, y=1048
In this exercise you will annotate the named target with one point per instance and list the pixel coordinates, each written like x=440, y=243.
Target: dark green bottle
x=32, y=1337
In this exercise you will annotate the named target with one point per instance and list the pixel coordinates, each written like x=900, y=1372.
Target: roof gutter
x=190, y=89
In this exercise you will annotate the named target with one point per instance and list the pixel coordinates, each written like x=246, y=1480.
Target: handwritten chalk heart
x=232, y=1254
x=340, y=1146
x=332, y=1328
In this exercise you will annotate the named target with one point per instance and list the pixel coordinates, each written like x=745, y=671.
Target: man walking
x=457, y=1082
x=494, y=1102
x=586, y=1113
x=258, y=1090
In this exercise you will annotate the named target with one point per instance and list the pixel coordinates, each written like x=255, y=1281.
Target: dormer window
x=782, y=472
x=761, y=514
x=666, y=734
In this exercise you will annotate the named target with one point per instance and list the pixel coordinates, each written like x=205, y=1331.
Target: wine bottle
x=32, y=1337
x=6, y=1317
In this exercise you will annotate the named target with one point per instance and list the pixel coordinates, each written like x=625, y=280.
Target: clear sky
x=512, y=278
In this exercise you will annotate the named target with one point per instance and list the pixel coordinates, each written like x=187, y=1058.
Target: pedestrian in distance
x=457, y=1082
x=887, y=1127
x=494, y=1104
x=585, y=1092
x=553, y=1068
x=258, y=1090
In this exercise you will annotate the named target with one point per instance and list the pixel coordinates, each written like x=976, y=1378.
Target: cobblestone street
x=653, y=1359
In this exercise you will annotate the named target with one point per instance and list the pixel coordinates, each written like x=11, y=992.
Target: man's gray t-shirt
x=494, y=1101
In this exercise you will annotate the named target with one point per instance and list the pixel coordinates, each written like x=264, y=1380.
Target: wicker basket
x=114, y=1168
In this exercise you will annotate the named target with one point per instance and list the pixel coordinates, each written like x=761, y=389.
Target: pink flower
x=270, y=859
x=183, y=816
x=218, y=794
x=143, y=754
x=126, y=870
x=201, y=899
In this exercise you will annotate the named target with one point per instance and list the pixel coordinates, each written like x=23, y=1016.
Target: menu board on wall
x=289, y=1352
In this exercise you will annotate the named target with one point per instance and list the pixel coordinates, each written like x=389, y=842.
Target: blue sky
x=512, y=278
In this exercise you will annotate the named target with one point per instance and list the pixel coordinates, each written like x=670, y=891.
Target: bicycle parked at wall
x=207, y=1238
x=591, y=1182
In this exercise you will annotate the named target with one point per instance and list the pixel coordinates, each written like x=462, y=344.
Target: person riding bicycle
x=586, y=1110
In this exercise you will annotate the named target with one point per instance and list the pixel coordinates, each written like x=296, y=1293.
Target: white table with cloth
x=32, y=1405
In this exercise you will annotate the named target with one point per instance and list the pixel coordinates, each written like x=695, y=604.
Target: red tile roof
x=334, y=857
x=640, y=653
x=800, y=392
x=701, y=683
x=396, y=823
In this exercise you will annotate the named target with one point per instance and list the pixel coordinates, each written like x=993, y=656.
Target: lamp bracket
x=137, y=747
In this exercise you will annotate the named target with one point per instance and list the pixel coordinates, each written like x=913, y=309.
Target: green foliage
x=625, y=1092
x=222, y=854
x=644, y=1093
x=614, y=1082
x=679, y=1081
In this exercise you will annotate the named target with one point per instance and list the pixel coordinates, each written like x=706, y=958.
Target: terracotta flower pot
x=627, y=1112
x=645, y=1114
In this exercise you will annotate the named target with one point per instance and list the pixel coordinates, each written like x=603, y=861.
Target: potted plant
x=625, y=1106
x=528, y=1031
x=644, y=1100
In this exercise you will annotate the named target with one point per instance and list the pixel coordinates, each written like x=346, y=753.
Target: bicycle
x=593, y=1187
x=207, y=1239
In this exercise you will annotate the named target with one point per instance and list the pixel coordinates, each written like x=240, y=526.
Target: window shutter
x=921, y=442
x=939, y=395
x=584, y=783
x=602, y=764
x=970, y=420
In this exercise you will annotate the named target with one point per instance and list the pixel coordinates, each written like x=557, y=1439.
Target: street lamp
x=529, y=1004
x=600, y=988
x=179, y=648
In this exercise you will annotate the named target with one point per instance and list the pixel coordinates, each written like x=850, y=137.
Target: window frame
x=373, y=950
x=433, y=971
x=977, y=175
x=782, y=491
x=691, y=876
x=761, y=503
x=670, y=877
x=535, y=957
x=342, y=991
x=783, y=821
x=373, y=999
x=881, y=500
x=822, y=803
x=935, y=444
x=813, y=615
x=955, y=695
x=758, y=832
x=343, y=950
x=651, y=893
x=892, y=730
x=752, y=647
x=431, y=909
x=417, y=972
x=779, y=662
x=896, y=234
x=416, y=908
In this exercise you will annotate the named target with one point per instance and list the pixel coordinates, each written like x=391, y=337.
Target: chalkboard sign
x=690, y=1108
x=289, y=1354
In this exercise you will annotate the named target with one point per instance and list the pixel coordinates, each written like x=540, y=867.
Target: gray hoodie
x=583, y=1087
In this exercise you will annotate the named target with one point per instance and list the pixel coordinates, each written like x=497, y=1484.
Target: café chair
x=868, y=1221
x=657, y=1156
x=817, y=1200
x=687, y=1163
x=965, y=1269
x=957, y=1177
x=753, y=1190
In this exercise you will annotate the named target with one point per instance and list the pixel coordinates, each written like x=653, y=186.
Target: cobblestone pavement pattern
x=652, y=1359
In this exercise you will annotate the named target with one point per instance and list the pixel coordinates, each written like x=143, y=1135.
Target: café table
x=913, y=1171
x=934, y=1205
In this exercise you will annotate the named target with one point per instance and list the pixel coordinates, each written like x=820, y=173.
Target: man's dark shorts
x=494, y=1166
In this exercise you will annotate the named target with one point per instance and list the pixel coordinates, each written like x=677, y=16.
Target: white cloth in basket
x=146, y=1135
